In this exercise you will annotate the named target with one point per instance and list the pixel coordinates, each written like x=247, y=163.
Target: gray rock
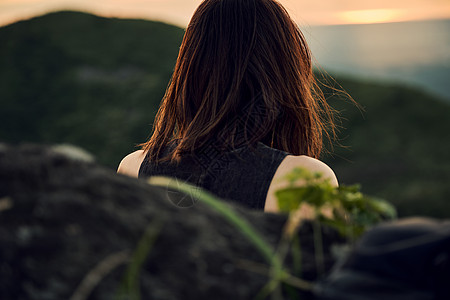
x=69, y=229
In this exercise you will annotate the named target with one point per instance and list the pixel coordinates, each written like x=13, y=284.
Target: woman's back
x=243, y=77
x=246, y=176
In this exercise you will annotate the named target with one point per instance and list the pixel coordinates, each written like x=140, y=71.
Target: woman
x=242, y=108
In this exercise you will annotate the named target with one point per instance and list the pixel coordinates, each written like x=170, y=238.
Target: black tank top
x=242, y=175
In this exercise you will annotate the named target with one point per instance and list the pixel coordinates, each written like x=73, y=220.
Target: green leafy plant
x=345, y=208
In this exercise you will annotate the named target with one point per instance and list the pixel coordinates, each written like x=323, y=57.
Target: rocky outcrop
x=400, y=260
x=70, y=229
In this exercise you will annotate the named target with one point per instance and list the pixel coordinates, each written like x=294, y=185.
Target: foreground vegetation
x=344, y=208
x=94, y=82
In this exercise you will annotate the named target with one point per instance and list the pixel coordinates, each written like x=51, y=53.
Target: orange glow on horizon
x=179, y=12
x=369, y=16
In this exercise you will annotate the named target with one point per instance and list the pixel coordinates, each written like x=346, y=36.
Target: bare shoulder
x=287, y=165
x=131, y=163
x=309, y=163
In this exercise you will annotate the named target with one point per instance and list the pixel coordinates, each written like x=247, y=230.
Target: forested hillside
x=77, y=78
x=95, y=82
x=396, y=146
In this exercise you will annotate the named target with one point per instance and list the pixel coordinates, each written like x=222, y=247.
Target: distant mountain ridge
x=76, y=78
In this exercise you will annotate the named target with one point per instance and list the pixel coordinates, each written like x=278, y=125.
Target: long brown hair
x=244, y=69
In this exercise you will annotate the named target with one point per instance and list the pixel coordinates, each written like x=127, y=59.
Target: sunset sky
x=305, y=12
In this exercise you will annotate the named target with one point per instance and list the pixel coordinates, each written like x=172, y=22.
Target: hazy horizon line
x=162, y=20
